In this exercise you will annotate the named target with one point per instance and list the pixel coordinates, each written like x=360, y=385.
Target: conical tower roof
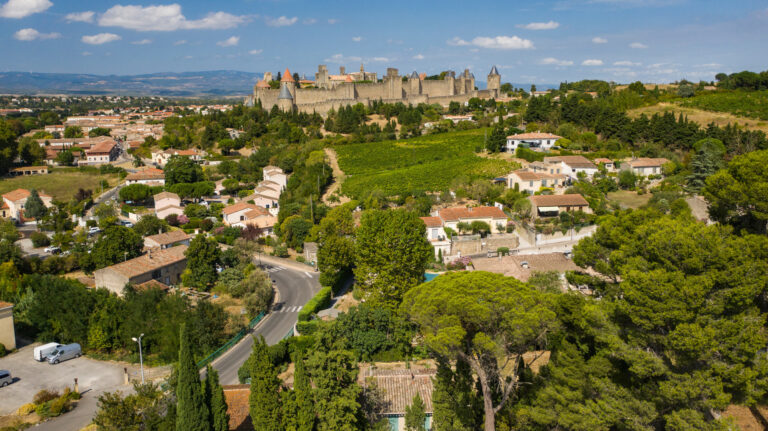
x=287, y=76
x=284, y=93
x=494, y=71
x=414, y=75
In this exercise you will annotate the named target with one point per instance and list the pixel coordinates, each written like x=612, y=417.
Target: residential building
x=458, y=118
x=523, y=266
x=167, y=203
x=165, y=266
x=244, y=214
x=398, y=388
x=262, y=200
x=552, y=205
x=28, y=170
x=14, y=201
x=644, y=166
x=167, y=239
x=607, y=164
x=7, y=331
x=535, y=141
x=437, y=236
x=531, y=182
x=101, y=153
x=160, y=158
x=493, y=216
x=276, y=175
x=238, y=407
x=147, y=176
x=567, y=165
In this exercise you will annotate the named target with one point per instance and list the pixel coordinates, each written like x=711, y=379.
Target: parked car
x=5, y=378
x=52, y=249
x=126, y=223
x=64, y=353
x=41, y=352
x=94, y=230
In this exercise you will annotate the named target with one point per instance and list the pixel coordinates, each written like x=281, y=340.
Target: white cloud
x=86, y=16
x=592, y=62
x=86, y=53
x=281, y=21
x=638, y=45
x=551, y=25
x=418, y=57
x=380, y=59
x=29, y=34
x=709, y=65
x=165, y=18
x=357, y=39
x=101, y=38
x=498, y=42
x=142, y=42
x=555, y=62
x=180, y=42
x=255, y=51
x=599, y=40
x=309, y=21
x=232, y=41
x=23, y=8
x=625, y=63
x=332, y=21
x=341, y=59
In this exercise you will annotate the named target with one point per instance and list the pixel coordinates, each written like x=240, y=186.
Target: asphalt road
x=295, y=287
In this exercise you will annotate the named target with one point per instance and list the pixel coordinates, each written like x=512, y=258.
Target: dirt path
x=338, y=178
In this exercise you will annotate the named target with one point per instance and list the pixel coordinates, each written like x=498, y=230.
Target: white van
x=41, y=352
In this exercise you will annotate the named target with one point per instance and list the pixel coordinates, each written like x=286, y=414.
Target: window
x=530, y=184
x=543, y=183
x=156, y=273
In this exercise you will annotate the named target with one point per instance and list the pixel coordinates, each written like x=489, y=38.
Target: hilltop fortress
x=328, y=91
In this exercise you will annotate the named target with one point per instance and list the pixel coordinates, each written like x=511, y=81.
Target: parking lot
x=31, y=376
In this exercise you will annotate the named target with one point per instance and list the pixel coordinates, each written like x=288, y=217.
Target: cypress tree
x=415, y=415
x=34, y=207
x=265, y=389
x=302, y=387
x=216, y=401
x=191, y=411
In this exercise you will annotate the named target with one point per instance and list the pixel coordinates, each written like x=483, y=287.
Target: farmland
x=427, y=163
x=752, y=104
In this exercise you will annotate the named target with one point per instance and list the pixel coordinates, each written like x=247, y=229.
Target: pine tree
x=265, y=389
x=302, y=387
x=191, y=411
x=34, y=207
x=415, y=415
x=216, y=401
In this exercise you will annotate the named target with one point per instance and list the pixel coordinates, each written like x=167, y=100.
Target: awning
x=549, y=209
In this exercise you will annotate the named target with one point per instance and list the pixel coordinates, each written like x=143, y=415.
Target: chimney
x=342, y=70
x=149, y=254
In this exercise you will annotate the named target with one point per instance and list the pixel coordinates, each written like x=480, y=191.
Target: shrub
x=43, y=410
x=59, y=405
x=307, y=328
x=318, y=302
x=280, y=251
x=3, y=350
x=26, y=409
x=300, y=259
x=39, y=239
x=45, y=395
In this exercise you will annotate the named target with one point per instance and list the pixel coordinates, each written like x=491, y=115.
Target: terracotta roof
x=256, y=212
x=152, y=284
x=143, y=264
x=262, y=84
x=170, y=237
x=398, y=388
x=535, y=176
x=534, y=135
x=287, y=76
x=237, y=207
x=102, y=148
x=272, y=169
x=146, y=174
x=19, y=194
x=559, y=200
x=460, y=213
x=166, y=195
x=647, y=162
x=192, y=152
x=254, y=196
x=270, y=184
x=348, y=79
x=238, y=406
x=432, y=221
x=572, y=161
x=602, y=160
x=28, y=168
x=4, y=304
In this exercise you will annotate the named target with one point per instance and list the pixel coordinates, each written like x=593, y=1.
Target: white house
x=644, y=166
x=243, y=214
x=160, y=158
x=531, y=182
x=493, y=216
x=437, y=236
x=567, y=165
x=167, y=203
x=14, y=201
x=276, y=175
x=535, y=141
x=102, y=152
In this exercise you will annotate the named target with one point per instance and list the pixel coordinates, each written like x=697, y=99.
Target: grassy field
x=629, y=199
x=752, y=104
x=427, y=163
x=62, y=185
x=700, y=116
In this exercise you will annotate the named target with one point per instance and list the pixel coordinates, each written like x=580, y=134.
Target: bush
x=26, y=409
x=307, y=328
x=3, y=350
x=318, y=302
x=280, y=251
x=40, y=239
x=59, y=405
x=44, y=395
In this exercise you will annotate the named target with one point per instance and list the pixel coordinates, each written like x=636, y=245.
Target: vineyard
x=752, y=104
x=427, y=163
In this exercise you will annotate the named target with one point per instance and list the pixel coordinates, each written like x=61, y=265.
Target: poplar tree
x=265, y=389
x=191, y=411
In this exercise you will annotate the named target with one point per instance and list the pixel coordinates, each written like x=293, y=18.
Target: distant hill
x=215, y=83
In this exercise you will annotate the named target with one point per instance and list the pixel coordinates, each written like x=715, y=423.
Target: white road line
x=307, y=274
x=299, y=309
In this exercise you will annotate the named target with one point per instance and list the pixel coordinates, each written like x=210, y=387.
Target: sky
x=529, y=41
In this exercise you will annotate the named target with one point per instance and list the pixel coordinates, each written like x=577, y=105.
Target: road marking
x=275, y=269
x=308, y=274
x=299, y=309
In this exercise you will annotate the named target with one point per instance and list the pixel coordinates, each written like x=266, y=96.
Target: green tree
x=142, y=410
x=334, y=374
x=116, y=244
x=98, y=131
x=264, y=399
x=135, y=192
x=150, y=225
x=34, y=207
x=415, y=415
x=302, y=388
x=392, y=252
x=455, y=405
x=213, y=394
x=486, y=320
x=707, y=160
x=73, y=132
x=294, y=230
x=202, y=257
x=497, y=140
x=335, y=259
x=192, y=413
x=30, y=151
x=65, y=158
x=182, y=170
x=627, y=179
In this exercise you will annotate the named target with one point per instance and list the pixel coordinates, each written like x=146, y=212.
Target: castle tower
x=289, y=82
x=494, y=82
x=414, y=84
x=285, y=99
x=321, y=77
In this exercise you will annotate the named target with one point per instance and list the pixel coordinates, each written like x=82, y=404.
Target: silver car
x=64, y=353
x=5, y=378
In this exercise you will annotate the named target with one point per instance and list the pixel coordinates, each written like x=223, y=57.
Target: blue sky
x=531, y=41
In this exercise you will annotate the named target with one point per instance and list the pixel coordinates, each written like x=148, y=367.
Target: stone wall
x=472, y=244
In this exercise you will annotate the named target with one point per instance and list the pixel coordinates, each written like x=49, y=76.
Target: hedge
x=320, y=301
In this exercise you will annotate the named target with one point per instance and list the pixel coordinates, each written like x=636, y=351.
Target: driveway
x=31, y=376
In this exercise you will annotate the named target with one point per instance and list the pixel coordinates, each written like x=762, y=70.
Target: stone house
x=7, y=331
x=165, y=266
x=536, y=141
x=398, y=388
x=437, y=236
x=262, y=200
x=147, y=176
x=167, y=203
x=644, y=166
x=493, y=216
x=14, y=201
x=552, y=205
x=607, y=163
x=310, y=252
x=167, y=239
x=567, y=165
x=102, y=152
x=531, y=182
x=160, y=158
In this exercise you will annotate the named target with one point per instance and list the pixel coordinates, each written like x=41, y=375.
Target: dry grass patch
x=700, y=116
x=61, y=185
x=629, y=199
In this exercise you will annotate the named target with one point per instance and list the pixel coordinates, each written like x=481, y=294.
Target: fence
x=234, y=340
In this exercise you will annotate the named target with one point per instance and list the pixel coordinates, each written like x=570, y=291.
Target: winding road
x=296, y=284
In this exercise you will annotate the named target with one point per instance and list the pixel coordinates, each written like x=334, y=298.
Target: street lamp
x=141, y=358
